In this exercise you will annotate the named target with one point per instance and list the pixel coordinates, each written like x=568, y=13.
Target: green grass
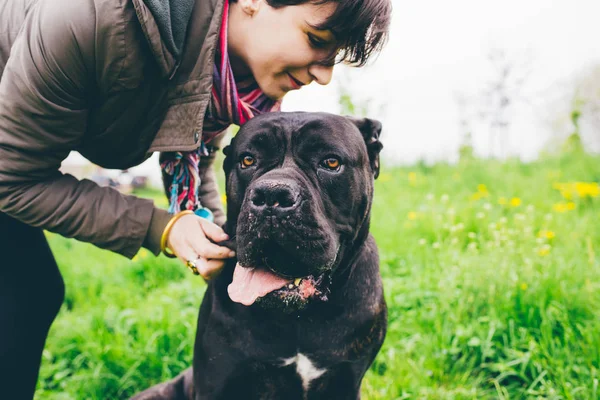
x=493, y=292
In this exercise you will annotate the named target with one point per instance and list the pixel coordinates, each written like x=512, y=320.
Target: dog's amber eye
x=248, y=161
x=331, y=163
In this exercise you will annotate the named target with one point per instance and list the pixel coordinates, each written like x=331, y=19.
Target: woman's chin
x=274, y=93
x=273, y=89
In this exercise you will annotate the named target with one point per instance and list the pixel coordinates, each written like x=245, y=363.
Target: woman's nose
x=321, y=73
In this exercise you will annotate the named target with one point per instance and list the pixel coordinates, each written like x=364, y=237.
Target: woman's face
x=279, y=46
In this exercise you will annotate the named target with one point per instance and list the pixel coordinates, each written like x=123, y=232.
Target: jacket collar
x=190, y=77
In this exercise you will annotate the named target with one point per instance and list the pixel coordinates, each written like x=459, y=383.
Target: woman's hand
x=193, y=239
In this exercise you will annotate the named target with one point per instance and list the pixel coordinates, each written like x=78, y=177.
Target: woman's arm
x=45, y=92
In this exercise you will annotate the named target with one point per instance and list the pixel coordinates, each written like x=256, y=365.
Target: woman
x=118, y=80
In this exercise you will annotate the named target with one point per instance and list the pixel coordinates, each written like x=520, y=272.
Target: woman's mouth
x=296, y=84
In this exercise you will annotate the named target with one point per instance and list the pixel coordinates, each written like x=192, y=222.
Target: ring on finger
x=191, y=264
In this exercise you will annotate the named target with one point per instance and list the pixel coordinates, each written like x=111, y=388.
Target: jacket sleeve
x=209, y=188
x=45, y=94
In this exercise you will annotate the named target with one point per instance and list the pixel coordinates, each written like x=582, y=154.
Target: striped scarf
x=231, y=103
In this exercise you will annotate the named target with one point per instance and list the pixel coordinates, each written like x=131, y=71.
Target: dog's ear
x=227, y=160
x=371, y=131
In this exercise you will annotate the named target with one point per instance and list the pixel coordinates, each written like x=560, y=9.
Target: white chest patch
x=305, y=368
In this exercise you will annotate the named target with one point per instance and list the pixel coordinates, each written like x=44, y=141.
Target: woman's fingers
x=209, y=269
x=194, y=231
x=209, y=250
x=189, y=258
x=213, y=231
x=189, y=240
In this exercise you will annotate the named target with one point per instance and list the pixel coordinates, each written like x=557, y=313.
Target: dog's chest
x=305, y=368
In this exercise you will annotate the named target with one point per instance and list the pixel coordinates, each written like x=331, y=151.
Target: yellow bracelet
x=165, y=235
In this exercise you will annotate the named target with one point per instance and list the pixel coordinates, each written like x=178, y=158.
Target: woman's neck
x=240, y=69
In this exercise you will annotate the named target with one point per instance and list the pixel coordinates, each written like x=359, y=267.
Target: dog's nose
x=276, y=195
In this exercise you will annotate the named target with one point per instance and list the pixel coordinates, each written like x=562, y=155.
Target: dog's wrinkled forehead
x=316, y=130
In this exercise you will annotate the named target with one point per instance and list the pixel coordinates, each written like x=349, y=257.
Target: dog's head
x=299, y=193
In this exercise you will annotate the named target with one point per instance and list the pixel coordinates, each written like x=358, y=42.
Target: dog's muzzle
x=270, y=197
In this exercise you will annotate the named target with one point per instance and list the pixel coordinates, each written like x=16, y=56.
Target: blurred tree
x=585, y=108
x=466, y=152
x=501, y=94
x=572, y=109
x=354, y=99
x=492, y=107
x=348, y=106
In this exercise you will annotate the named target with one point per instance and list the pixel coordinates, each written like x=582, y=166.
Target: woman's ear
x=250, y=7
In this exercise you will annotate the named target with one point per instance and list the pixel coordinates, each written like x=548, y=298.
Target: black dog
x=301, y=315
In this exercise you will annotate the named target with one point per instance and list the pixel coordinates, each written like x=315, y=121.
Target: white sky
x=438, y=48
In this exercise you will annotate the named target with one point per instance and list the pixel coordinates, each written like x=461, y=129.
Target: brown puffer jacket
x=96, y=76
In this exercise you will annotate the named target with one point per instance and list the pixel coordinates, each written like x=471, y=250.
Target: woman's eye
x=331, y=163
x=317, y=42
x=247, y=161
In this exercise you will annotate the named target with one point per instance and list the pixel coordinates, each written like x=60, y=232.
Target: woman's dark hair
x=360, y=27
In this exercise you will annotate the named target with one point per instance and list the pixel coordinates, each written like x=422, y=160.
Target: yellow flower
x=524, y=286
x=481, y=192
x=565, y=189
x=515, y=202
x=581, y=189
x=544, y=250
x=560, y=207
x=412, y=215
x=586, y=189
x=476, y=196
x=502, y=201
x=224, y=198
x=547, y=234
x=564, y=207
x=412, y=178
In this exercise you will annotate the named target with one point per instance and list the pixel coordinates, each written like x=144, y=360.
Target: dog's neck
x=351, y=247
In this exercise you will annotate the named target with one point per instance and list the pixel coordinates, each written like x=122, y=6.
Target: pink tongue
x=251, y=283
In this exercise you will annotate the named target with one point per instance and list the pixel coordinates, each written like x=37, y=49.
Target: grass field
x=492, y=278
